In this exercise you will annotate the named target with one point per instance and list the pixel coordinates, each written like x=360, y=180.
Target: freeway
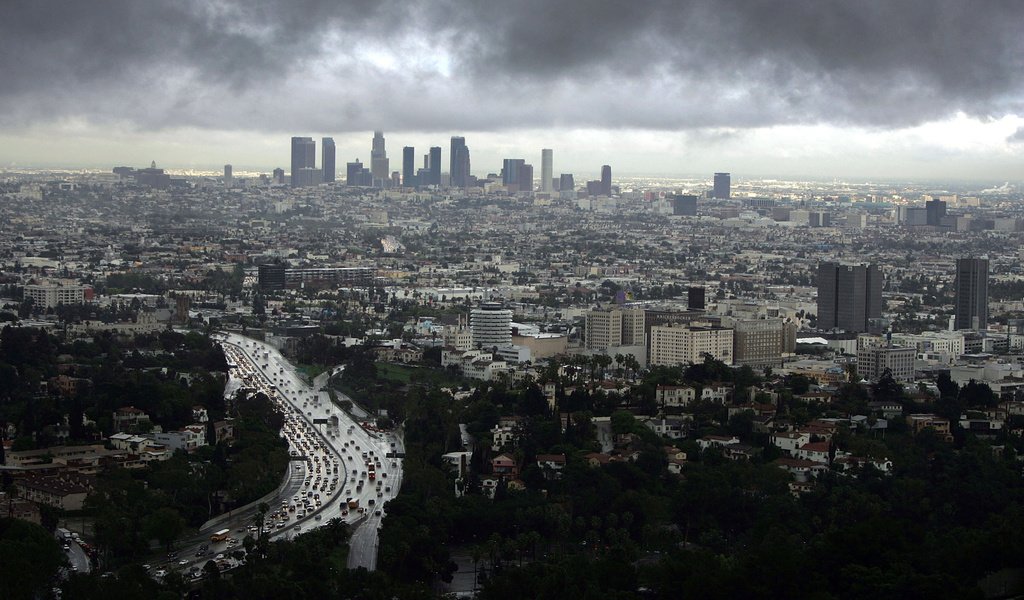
x=357, y=455
x=335, y=460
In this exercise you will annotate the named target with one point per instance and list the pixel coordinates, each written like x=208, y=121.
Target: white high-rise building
x=546, y=172
x=491, y=325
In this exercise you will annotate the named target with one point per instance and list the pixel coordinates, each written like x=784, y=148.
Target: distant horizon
x=243, y=171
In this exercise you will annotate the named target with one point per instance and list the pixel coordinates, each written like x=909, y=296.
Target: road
x=365, y=472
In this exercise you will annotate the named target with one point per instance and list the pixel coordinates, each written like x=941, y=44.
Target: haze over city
x=920, y=90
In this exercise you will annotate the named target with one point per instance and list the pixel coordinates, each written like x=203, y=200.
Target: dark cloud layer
x=315, y=65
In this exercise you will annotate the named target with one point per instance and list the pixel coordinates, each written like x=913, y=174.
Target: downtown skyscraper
x=546, y=171
x=327, y=159
x=459, y=173
x=409, y=166
x=434, y=166
x=379, y=160
x=303, y=157
x=971, y=293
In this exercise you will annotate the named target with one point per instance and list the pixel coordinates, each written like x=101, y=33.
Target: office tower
x=849, y=296
x=695, y=298
x=327, y=160
x=723, y=183
x=303, y=157
x=379, y=160
x=278, y=176
x=525, y=178
x=435, y=165
x=228, y=177
x=510, y=171
x=606, y=180
x=354, y=173
x=684, y=205
x=971, y=293
x=457, y=143
x=566, y=183
x=545, y=170
x=307, y=176
x=935, y=211
x=463, y=168
x=491, y=325
x=409, y=166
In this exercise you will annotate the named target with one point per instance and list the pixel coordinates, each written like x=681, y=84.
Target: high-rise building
x=327, y=160
x=608, y=328
x=526, y=178
x=435, y=165
x=971, y=293
x=354, y=173
x=228, y=176
x=303, y=157
x=546, y=174
x=566, y=182
x=278, y=175
x=849, y=296
x=459, y=173
x=491, y=325
x=723, y=185
x=606, y=180
x=684, y=205
x=409, y=166
x=379, y=160
x=510, y=171
x=935, y=211
x=695, y=297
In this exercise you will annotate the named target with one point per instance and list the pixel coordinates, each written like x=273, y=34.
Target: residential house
x=717, y=441
x=129, y=418
x=551, y=465
x=719, y=394
x=790, y=441
x=674, y=395
x=505, y=466
x=921, y=421
x=671, y=427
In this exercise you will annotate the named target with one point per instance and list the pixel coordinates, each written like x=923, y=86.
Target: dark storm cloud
x=659, y=64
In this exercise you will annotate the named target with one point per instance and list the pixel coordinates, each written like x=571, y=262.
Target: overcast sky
x=911, y=88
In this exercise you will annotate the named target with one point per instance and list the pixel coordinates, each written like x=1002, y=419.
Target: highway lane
x=365, y=472
x=339, y=442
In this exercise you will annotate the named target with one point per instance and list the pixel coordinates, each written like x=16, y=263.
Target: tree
x=29, y=559
x=623, y=422
x=165, y=525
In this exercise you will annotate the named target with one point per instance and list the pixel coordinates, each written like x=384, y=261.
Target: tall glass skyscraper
x=849, y=296
x=435, y=165
x=723, y=185
x=459, y=172
x=303, y=157
x=327, y=159
x=971, y=293
x=409, y=166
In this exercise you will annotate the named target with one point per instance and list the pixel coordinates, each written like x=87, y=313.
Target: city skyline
x=912, y=90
